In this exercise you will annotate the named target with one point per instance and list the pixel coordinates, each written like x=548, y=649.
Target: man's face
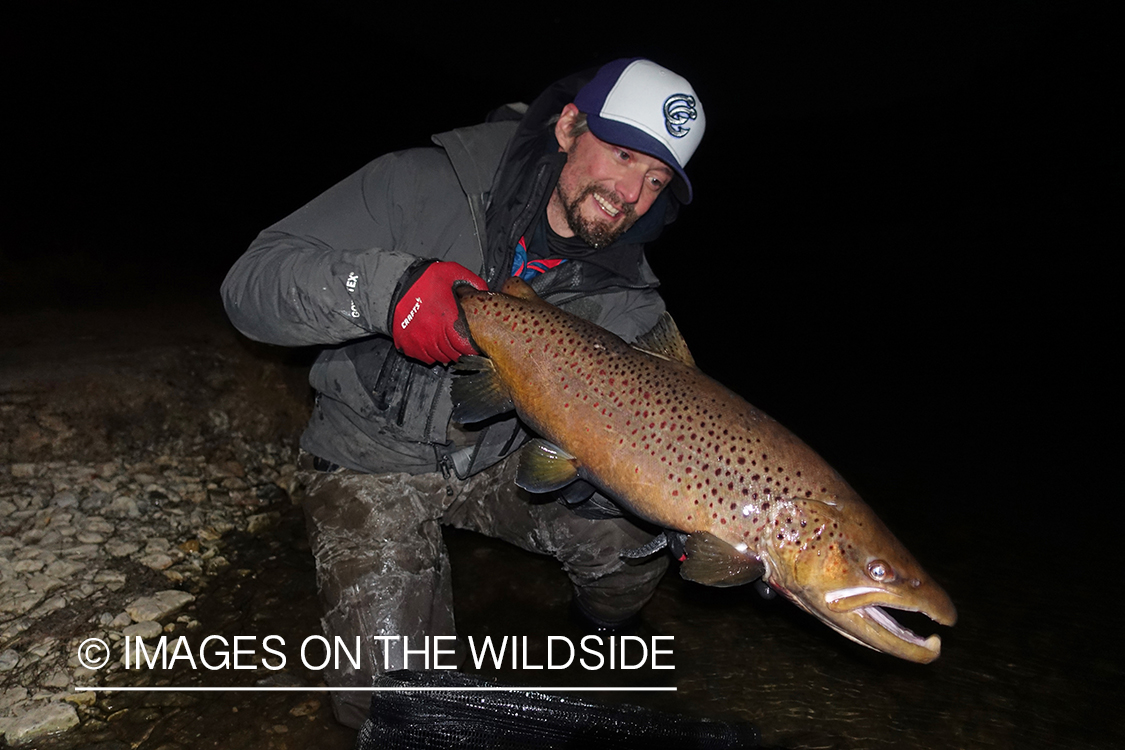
x=603, y=189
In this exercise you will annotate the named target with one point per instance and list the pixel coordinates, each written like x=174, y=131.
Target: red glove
x=424, y=316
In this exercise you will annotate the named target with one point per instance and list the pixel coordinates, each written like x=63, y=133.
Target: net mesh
x=516, y=720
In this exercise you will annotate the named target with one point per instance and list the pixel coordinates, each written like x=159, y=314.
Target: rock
x=65, y=499
x=120, y=547
x=262, y=522
x=8, y=660
x=83, y=698
x=57, y=679
x=95, y=501
x=160, y=605
x=81, y=550
x=23, y=471
x=64, y=568
x=109, y=576
x=191, y=546
x=12, y=696
x=144, y=629
x=123, y=506
x=43, y=584
x=156, y=561
x=41, y=722
x=51, y=605
x=307, y=708
x=28, y=566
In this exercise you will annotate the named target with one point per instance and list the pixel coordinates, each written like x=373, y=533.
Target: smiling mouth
x=606, y=205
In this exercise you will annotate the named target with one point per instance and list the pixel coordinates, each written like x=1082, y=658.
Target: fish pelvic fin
x=713, y=562
x=517, y=287
x=478, y=393
x=665, y=340
x=545, y=467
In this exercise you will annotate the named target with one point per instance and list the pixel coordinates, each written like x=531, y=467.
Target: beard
x=597, y=234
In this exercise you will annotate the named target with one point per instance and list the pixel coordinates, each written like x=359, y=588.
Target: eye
x=880, y=571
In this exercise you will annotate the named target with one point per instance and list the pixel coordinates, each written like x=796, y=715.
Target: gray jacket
x=329, y=275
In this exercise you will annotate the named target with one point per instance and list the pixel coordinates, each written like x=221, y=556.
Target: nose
x=629, y=186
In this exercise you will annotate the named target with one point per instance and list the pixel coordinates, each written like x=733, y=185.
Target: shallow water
x=1015, y=671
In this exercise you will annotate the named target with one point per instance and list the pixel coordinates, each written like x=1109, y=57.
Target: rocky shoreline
x=83, y=549
x=131, y=455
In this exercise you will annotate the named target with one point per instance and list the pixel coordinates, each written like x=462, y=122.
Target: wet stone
x=160, y=605
x=144, y=629
x=41, y=722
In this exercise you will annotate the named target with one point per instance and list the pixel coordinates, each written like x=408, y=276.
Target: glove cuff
x=411, y=275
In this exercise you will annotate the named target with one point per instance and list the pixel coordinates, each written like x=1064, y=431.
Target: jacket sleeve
x=328, y=272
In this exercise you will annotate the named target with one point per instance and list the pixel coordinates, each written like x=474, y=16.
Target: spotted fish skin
x=678, y=449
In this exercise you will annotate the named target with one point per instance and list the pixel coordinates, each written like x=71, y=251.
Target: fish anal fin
x=545, y=467
x=712, y=562
x=479, y=395
x=517, y=287
x=665, y=340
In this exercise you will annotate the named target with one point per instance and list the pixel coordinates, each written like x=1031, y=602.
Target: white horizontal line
x=372, y=689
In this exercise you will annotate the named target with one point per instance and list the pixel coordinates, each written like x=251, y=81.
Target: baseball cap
x=635, y=103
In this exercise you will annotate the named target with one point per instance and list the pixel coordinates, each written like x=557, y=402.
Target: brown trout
x=676, y=448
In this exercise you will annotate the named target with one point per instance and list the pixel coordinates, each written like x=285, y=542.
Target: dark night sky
x=892, y=247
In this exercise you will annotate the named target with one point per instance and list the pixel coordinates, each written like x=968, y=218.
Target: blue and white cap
x=640, y=105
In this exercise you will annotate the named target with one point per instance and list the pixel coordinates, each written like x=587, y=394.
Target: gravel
x=130, y=453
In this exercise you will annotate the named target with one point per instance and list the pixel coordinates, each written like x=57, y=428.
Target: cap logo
x=679, y=110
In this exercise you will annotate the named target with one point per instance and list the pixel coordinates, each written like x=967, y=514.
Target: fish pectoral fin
x=480, y=395
x=545, y=467
x=665, y=340
x=713, y=562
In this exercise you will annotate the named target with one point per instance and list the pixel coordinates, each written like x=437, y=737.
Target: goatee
x=596, y=234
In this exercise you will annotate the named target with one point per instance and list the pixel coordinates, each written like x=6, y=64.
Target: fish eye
x=880, y=571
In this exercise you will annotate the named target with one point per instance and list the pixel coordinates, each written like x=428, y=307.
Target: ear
x=564, y=125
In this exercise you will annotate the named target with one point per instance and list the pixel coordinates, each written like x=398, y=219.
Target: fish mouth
x=861, y=614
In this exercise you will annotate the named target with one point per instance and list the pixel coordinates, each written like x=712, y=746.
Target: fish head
x=849, y=569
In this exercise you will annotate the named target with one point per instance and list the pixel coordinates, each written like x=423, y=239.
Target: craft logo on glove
x=410, y=315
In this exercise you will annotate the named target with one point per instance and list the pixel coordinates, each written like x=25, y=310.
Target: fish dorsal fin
x=713, y=562
x=479, y=395
x=545, y=467
x=665, y=340
x=517, y=287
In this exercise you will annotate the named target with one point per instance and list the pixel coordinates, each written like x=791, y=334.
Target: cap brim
x=612, y=131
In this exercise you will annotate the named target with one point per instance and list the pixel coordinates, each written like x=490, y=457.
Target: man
x=565, y=196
